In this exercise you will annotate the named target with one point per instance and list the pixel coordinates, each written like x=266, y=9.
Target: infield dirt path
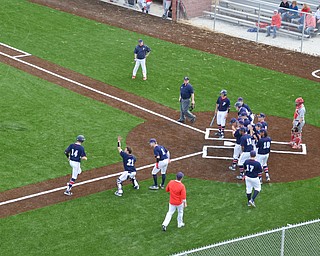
x=282, y=167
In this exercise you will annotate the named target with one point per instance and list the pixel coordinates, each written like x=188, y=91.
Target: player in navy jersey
x=162, y=156
x=261, y=119
x=246, y=146
x=263, y=147
x=221, y=111
x=75, y=153
x=251, y=115
x=141, y=52
x=235, y=126
x=129, y=172
x=253, y=172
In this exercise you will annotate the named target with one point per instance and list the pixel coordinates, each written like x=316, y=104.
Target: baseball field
x=63, y=75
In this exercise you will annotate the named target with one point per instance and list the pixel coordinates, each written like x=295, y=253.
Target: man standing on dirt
x=141, y=52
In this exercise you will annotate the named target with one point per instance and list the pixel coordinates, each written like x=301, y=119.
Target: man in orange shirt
x=178, y=201
x=275, y=24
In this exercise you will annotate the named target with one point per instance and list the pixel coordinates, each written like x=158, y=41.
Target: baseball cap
x=242, y=129
x=240, y=99
x=186, y=78
x=275, y=10
x=253, y=153
x=140, y=40
x=259, y=124
x=241, y=121
x=153, y=140
x=243, y=114
x=261, y=115
x=180, y=175
x=262, y=130
x=233, y=120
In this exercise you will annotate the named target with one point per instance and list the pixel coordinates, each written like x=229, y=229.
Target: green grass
x=39, y=120
x=103, y=224
x=106, y=53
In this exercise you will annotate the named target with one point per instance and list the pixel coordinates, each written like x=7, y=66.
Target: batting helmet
x=81, y=138
x=224, y=92
x=238, y=104
x=299, y=101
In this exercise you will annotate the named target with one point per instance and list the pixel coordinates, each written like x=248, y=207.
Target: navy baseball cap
x=242, y=129
x=153, y=140
x=253, y=153
x=186, y=78
x=262, y=130
x=180, y=175
x=243, y=114
x=241, y=121
x=261, y=115
x=233, y=120
x=240, y=99
x=259, y=124
x=140, y=40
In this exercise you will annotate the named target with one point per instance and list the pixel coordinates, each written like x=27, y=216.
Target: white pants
x=300, y=126
x=221, y=118
x=237, y=151
x=76, y=169
x=143, y=4
x=243, y=157
x=163, y=165
x=126, y=175
x=143, y=66
x=172, y=209
x=252, y=183
x=263, y=159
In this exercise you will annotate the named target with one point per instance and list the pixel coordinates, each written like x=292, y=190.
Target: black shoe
x=164, y=228
x=193, y=119
x=181, y=121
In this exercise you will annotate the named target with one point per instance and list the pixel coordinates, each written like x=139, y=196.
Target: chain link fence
x=301, y=239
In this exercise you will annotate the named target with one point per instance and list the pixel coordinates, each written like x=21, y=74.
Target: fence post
x=282, y=240
x=258, y=25
x=302, y=36
x=215, y=11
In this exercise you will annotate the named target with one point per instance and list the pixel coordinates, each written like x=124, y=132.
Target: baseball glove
x=191, y=108
x=295, y=129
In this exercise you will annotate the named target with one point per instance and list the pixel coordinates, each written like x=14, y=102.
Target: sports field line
x=94, y=90
x=90, y=181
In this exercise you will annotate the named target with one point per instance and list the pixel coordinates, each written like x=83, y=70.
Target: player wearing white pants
x=126, y=176
x=76, y=169
x=221, y=111
x=162, y=167
x=141, y=52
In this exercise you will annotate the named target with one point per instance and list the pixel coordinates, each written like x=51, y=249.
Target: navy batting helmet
x=81, y=138
x=224, y=92
x=238, y=104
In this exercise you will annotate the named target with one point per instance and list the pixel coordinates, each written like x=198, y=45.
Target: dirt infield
x=283, y=167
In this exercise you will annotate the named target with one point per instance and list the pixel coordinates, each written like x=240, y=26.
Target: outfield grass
x=39, y=120
x=106, y=53
x=103, y=224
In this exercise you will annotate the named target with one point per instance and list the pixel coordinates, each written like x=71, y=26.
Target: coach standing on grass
x=186, y=97
x=178, y=201
x=141, y=52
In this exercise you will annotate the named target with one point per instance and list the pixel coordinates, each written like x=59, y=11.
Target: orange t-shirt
x=177, y=192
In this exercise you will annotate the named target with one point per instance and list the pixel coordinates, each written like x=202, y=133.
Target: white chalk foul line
x=96, y=91
x=89, y=181
x=314, y=73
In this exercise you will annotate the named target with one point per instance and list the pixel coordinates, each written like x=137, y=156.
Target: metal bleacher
x=250, y=12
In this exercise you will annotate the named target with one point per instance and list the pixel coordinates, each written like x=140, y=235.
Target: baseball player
x=129, y=172
x=253, y=172
x=263, y=147
x=162, y=156
x=141, y=52
x=235, y=126
x=186, y=98
x=221, y=111
x=75, y=153
x=178, y=201
x=261, y=119
x=298, y=123
x=242, y=111
x=246, y=146
x=251, y=115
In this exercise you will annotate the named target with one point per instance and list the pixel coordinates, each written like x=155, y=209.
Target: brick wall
x=196, y=7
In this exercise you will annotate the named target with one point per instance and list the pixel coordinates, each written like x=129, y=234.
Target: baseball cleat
x=252, y=203
x=117, y=193
x=154, y=187
x=67, y=193
x=217, y=133
x=181, y=225
x=162, y=186
x=164, y=228
x=249, y=204
x=144, y=78
x=239, y=177
x=232, y=168
x=268, y=179
x=193, y=119
x=136, y=187
x=133, y=77
x=180, y=121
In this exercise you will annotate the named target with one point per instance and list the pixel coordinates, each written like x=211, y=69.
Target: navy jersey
x=238, y=136
x=253, y=168
x=246, y=143
x=186, y=91
x=264, y=125
x=128, y=161
x=141, y=51
x=247, y=108
x=223, y=104
x=263, y=145
x=75, y=152
x=161, y=152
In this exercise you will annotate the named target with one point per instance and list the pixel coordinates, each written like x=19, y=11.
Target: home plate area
x=223, y=148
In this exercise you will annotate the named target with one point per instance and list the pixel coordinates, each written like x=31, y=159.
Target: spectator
x=275, y=24
x=305, y=9
x=166, y=7
x=317, y=15
x=145, y=5
x=309, y=25
x=283, y=6
x=292, y=13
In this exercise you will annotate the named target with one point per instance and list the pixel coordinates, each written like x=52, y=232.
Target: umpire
x=186, y=97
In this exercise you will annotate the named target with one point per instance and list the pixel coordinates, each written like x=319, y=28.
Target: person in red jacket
x=275, y=24
x=178, y=201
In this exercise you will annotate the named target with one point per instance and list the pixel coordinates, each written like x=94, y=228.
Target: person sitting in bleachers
x=305, y=9
x=275, y=24
x=292, y=13
x=283, y=6
x=317, y=15
x=310, y=24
